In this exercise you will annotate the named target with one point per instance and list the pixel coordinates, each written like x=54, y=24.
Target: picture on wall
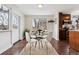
x=4, y=18
x=15, y=21
x=40, y=23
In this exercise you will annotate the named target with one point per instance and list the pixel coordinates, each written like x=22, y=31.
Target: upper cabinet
x=60, y=20
x=66, y=17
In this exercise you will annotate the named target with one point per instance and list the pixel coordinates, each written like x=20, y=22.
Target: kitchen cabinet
x=66, y=17
x=60, y=20
x=74, y=39
x=63, y=18
x=62, y=34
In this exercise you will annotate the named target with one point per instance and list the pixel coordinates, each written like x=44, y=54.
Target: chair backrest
x=27, y=36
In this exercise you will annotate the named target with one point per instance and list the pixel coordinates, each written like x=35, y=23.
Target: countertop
x=70, y=29
x=74, y=30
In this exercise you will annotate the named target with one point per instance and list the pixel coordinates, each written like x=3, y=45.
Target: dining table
x=39, y=41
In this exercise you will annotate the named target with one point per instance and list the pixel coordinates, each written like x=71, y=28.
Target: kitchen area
x=64, y=26
x=69, y=29
x=74, y=33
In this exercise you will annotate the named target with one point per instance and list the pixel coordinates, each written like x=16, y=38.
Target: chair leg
x=30, y=48
x=41, y=44
x=35, y=44
x=46, y=47
x=32, y=43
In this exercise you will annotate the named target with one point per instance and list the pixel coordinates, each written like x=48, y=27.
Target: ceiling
x=47, y=9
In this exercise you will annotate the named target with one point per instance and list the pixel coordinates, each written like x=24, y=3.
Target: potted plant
x=26, y=30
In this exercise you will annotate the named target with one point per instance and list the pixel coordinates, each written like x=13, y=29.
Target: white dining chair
x=32, y=34
x=31, y=41
x=44, y=36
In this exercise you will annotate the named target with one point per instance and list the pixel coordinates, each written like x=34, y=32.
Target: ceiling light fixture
x=40, y=5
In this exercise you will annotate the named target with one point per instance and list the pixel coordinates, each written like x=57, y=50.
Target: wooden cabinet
x=66, y=17
x=71, y=39
x=74, y=40
x=62, y=18
x=62, y=34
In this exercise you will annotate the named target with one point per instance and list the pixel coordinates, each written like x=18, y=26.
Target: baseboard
x=16, y=42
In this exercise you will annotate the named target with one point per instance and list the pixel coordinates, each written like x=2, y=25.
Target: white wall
x=75, y=12
x=5, y=41
x=56, y=27
x=5, y=36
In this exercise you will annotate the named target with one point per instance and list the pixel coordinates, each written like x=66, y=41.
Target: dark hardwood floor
x=16, y=48
x=62, y=47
